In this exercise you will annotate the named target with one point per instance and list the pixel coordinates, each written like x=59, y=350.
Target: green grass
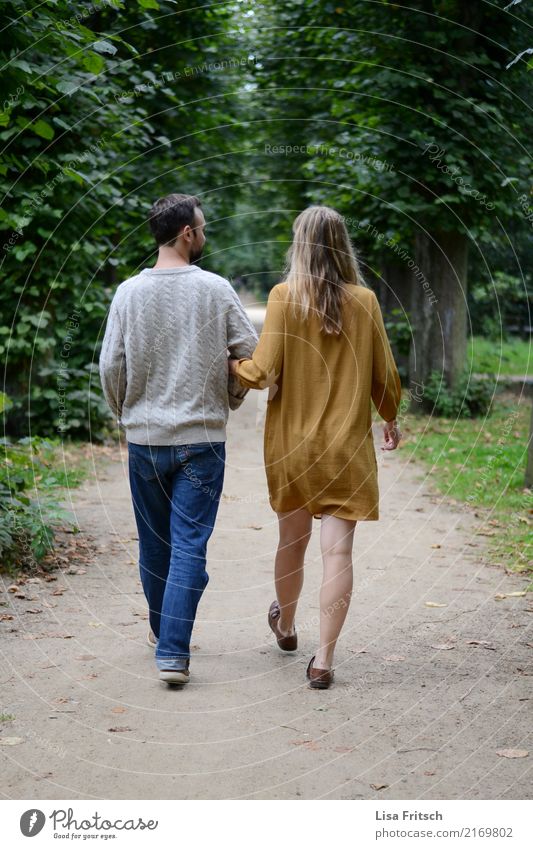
x=35, y=477
x=60, y=465
x=482, y=463
x=489, y=356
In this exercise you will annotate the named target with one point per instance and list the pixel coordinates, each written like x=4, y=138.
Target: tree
x=429, y=155
x=107, y=106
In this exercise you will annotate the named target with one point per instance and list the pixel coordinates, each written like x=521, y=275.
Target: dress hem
x=340, y=513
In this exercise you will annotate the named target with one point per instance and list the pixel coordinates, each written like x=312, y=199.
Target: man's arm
x=112, y=363
x=242, y=340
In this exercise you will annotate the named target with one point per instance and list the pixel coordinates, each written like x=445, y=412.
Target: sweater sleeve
x=241, y=335
x=386, y=385
x=241, y=341
x=265, y=365
x=112, y=364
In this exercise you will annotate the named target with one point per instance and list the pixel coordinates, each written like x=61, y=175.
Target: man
x=164, y=373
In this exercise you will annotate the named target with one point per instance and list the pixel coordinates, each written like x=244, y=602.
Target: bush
x=471, y=398
x=500, y=306
x=29, y=514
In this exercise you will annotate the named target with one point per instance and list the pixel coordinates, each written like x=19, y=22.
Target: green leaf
x=93, y=62
x=23, y=65
x=5, y=402
x=105, y=47
x=75, y=176
x=148, y=4
x=67, y=86
x=43, y=129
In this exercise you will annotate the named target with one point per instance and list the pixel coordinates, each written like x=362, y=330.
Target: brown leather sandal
x=319, y=679
x=286, y=643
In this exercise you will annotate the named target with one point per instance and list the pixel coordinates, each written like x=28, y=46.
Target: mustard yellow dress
x=318, y=445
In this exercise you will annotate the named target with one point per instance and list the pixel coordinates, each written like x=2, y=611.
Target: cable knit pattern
x=163, y=364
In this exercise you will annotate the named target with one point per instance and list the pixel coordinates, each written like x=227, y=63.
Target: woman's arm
x=264, y=367
x=386, y=385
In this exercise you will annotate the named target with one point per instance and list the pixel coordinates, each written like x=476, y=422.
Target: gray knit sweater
x=163, y=364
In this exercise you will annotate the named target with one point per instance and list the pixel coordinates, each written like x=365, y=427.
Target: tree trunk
x=439, y=307
x=395, y=286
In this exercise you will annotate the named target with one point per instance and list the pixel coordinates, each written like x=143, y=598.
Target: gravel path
x=432, y=678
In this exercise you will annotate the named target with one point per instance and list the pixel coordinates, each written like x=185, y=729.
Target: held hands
x=391, y=435
x=231, y=365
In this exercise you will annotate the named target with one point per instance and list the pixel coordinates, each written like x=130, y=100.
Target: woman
x=324, y=353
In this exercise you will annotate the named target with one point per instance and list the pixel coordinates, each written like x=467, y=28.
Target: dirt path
x=424, y=697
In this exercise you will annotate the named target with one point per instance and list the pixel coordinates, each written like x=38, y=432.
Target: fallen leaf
x=86, y=657
x=13, y=588
x=483, y=643
x=434, y=604
x=512, y=753
x=435, y=545
x=119, y=728
x=5, y=617
x=343, y=749
x=10, y=741
x=255, y=527
x=59, y=591
x=394, y=657
x=442, y=646
x=118, y=710
x=429, y=772
x=378, y=786
x=33, y=610
x=20, y=595
x=312, y=746
x=518, y=594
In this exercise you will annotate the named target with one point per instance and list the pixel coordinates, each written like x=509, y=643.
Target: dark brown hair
x=169, y=214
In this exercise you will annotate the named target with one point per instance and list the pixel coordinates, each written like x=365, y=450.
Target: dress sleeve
x=265, y=365
x=386, y=384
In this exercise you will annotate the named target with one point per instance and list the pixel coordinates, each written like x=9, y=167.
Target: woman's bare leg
x=336, y=542
x=294, y=534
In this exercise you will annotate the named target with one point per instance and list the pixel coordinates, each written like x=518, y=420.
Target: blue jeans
x=176, y=492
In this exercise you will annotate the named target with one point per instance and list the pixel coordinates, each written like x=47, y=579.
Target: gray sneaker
x=175, y=676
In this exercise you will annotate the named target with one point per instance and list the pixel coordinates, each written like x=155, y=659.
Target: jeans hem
x=176, y=664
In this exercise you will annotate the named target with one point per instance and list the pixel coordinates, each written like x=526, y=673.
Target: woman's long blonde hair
x=320, y=261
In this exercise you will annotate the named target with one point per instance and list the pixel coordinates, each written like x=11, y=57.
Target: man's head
x=177, y=222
